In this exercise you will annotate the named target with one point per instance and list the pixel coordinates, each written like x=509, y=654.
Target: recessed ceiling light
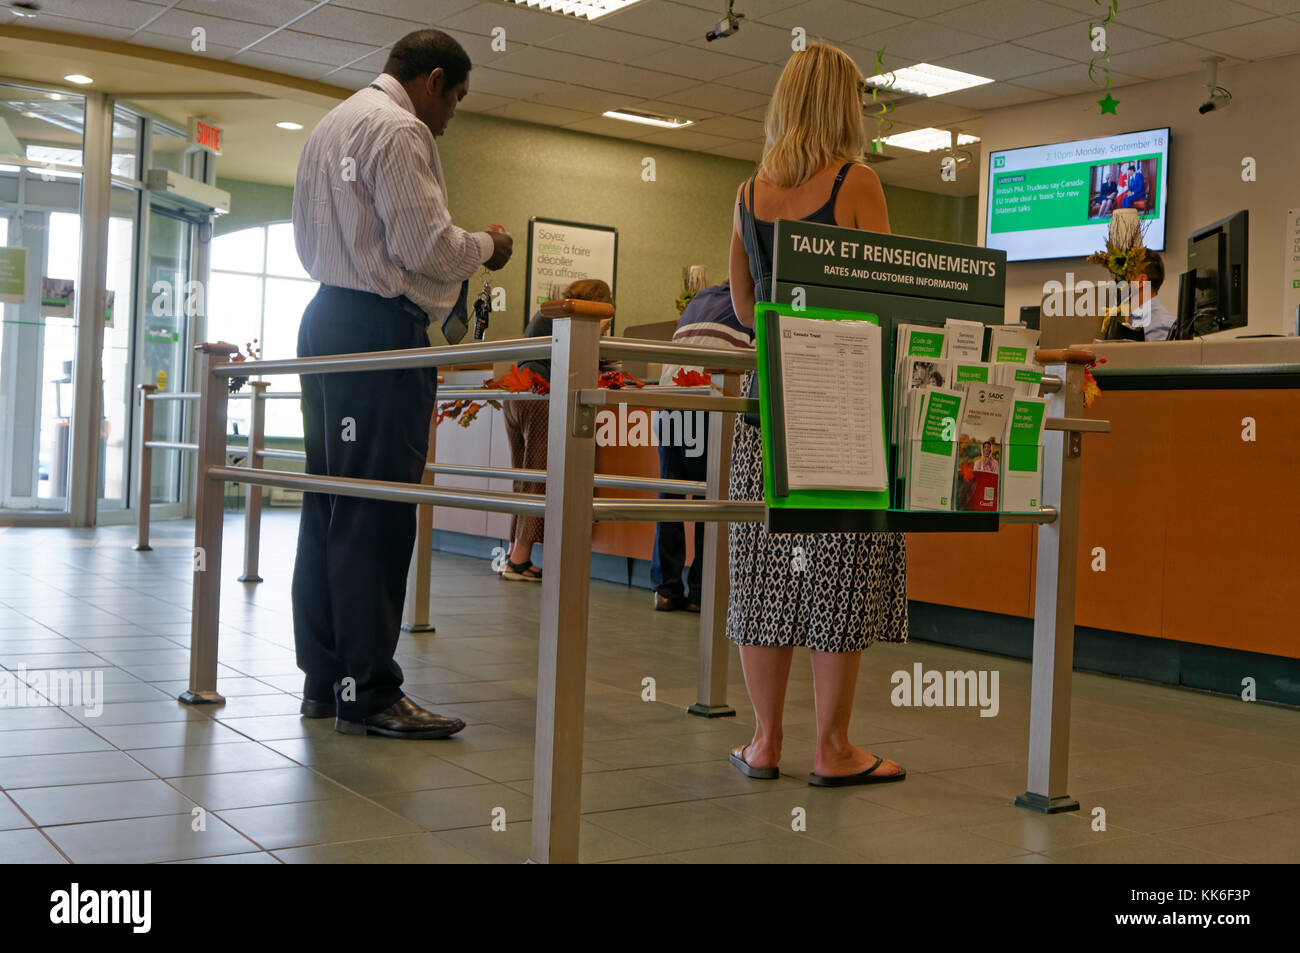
x=288, y=125
x=928, y=140
x=78, y=78
x=646, y=119
x=582, y=9
x=25, y=14
x=58, y=97
x=926, y=80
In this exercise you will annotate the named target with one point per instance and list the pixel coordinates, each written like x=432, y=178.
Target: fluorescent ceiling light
x=926, y=80
x=79, y=79
x=288, y=125
x=582, y=9
x=646, y=119
x=927, y=140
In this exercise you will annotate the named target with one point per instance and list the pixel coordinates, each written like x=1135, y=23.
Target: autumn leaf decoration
x=1091, y=389
x=518, y=380
x=685, y=378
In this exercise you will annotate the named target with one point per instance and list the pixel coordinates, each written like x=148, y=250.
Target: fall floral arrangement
x=251, y=352
x=519, y=380
x=1125, y=256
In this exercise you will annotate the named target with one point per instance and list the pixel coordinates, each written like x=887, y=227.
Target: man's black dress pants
x=349, y=579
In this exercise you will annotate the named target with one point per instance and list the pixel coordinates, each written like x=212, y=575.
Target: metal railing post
x=1053, y=658
x=566, y=584
x=716, y=574
x=416, y=609
x=209, y=504
x=253, y=494
x=144, y=471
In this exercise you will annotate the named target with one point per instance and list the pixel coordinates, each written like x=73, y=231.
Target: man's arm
x=418, y=231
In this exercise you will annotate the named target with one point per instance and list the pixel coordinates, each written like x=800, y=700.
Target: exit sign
x=206, y=136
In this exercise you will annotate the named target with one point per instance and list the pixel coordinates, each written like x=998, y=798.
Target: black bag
x=764, y=281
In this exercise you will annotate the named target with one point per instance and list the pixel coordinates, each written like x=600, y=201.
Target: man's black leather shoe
x=314, y=709
x=403, y=719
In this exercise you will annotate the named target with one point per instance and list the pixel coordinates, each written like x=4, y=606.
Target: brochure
x=970, y=372
x=979, y=446
x=1026, y=380
x=914, y=372
x=1012, y=344
x=932, y=448
x=965, y=339
x=1022, y=471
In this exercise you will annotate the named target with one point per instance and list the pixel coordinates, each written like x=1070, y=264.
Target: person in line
x=849, y=589
x=707, y=321
x=1150, y=315
x=371, y=224
x=526, y=428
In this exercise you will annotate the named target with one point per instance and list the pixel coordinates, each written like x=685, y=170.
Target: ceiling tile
x=1002, y=20
x=694, y=63
x=418, y=11
x=671, y=109
x=1074, y=41
x=303, y=46
x=520, y=24
x=760, y=79
x=1181, y=18
x=632, y=80
x=1003, y=61
x=934, y=111
x=1159, y=61
x=277, y=63
x=82, y=28
x=1275, y=6
x=1254, y=41
x=732, y=128
x=664, y=19
x=602, y=43
x=1069, y=80
x=921, y=42
x=354, y=79
x=994, y=96
x=355, y=26
x=124, y=13
x=833, y=21
x=267, y=12
x=589, y=101
x=219, y=31
x=184, y=44
x=607, y=127
x=536, y=61
x=753, y=9
x=511, y=85
x=754, y=41
x=717, y=98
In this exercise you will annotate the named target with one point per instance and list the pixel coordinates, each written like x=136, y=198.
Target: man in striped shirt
x=371, y=224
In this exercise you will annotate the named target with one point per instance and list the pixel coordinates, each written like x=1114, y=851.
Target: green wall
x=504, y=171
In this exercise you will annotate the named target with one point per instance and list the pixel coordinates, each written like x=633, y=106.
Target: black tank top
x=760, y=258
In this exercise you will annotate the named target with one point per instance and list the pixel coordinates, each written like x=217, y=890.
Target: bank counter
x=1189, y=525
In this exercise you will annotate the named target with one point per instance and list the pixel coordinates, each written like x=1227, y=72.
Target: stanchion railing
x=570, y=508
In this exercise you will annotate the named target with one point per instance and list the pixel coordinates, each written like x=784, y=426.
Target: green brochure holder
x=775, y=494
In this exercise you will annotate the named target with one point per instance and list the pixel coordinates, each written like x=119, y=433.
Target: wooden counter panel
x=1232, y=572
x=1123, y=507
x=985, y=571
x=464, y=445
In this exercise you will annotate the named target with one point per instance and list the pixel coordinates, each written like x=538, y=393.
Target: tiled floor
x=1180, y=776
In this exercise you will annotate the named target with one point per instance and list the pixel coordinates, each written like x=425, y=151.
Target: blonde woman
x=848, y=589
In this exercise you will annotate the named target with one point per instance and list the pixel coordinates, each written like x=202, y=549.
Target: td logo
x=999, y=161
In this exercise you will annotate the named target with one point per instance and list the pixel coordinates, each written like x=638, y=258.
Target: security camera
x=727, y=25
x=1217, y=96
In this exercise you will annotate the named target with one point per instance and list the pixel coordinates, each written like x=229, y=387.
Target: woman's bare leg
x=767, y=672
x=835, y=677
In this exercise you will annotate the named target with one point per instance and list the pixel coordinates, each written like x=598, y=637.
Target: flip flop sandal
x=525, y=570
x=748, y=770
x=865, y=777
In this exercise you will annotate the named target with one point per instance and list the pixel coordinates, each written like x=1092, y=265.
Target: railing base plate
x=711, y=711
x=191, y=697
x=143, y=549
x=251, y=579
x=418, y=627
x=1047, y=805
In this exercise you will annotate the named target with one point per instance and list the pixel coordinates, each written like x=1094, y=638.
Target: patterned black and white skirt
x=834, y=592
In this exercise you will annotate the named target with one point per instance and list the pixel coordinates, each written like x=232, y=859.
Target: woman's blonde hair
x=815, y=116
x=589, y=289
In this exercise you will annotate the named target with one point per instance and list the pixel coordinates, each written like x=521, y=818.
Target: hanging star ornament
x=1108, y=104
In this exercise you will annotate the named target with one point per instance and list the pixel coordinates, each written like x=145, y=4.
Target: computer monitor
x=1217, y=254
x=1031, y=316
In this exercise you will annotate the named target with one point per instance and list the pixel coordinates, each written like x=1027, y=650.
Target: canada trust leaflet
x=913, y=340
x=979, y=447
x=830, y=390
x=965, y=339
x=1025, y=380
x=1012, y=344
x=933, y=448
x=1022, y=454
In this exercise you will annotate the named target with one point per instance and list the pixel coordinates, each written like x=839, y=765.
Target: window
x=257, y=296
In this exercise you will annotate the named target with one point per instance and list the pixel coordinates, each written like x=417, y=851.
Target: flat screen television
x=1055, y=201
